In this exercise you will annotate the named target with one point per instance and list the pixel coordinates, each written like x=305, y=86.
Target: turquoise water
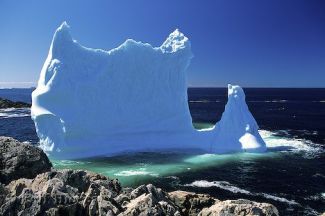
x=138, y=168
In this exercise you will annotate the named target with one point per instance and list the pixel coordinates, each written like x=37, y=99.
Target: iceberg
x=91, y=102
x=237, y=128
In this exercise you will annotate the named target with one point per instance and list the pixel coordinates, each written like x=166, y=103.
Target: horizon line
x=192, y=87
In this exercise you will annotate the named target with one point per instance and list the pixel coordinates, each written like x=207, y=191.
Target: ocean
x=291, y=175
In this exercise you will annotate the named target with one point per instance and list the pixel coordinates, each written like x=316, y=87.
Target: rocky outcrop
x=64, y=192
x=68, y=192
x=32, y=187
x=5, y=103
x=20, y=160
x=240, y=207
x=191, y=203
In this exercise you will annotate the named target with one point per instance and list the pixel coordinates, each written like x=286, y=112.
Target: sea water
x=291, y=175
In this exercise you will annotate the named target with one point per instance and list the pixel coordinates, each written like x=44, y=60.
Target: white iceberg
x=91, y=102
x=237, y=128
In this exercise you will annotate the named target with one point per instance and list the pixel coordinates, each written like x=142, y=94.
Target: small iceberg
x=92, y=102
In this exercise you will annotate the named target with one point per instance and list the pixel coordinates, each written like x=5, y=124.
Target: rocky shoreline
x=31, y=186
x=5, y=103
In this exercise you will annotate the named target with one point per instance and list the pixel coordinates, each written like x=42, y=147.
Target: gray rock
x=64, y=192
x=146, y=200
x=3, y=192
x=191, y=203
x=20, y=160
x=240, y=207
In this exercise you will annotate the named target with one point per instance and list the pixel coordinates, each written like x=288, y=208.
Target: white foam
x=280, y=199
x=203, y=101
x=69, y=163
x=135, y=173
x=172, y=177
x=276, y=101
x=274, y=142
x=269, y=101
x=14, y=112
x=234, y=189
x=219, y=184
x=8, y=109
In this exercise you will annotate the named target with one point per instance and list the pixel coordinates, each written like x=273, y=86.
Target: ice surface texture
x=91, y=102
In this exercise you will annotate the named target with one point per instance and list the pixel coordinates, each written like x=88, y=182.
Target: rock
x=147, y=200
x=20, y=160
x=5, y=103
x=240, y=207
x=3, y=192
x=64, y=192
x=191, y=203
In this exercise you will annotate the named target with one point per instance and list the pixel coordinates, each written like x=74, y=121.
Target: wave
x=68, y=163
x=135, y=173
x=14, y=112
x=277, y=109
x=316, y=197
x=252, y=101
x=276, y=198
x=268, y=101
x=203, y=101
x=219, y=184
x=234, y=189
x=274, y=142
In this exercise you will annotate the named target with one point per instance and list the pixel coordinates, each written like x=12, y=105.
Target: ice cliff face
x=91, y=102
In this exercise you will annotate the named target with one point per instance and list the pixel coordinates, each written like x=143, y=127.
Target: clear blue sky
x=261, y=43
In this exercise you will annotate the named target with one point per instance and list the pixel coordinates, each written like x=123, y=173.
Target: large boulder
x=191, y=203
x=21, y=160
x=147, y=200
x=240, y=207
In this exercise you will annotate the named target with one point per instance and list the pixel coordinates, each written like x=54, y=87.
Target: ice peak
x=61, y=38
x=235, y=91
x=62, y=33
x=64, y=25
x=176, y=32
x=175, y=41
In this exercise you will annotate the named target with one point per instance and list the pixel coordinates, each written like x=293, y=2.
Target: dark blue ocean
x=291, y=175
